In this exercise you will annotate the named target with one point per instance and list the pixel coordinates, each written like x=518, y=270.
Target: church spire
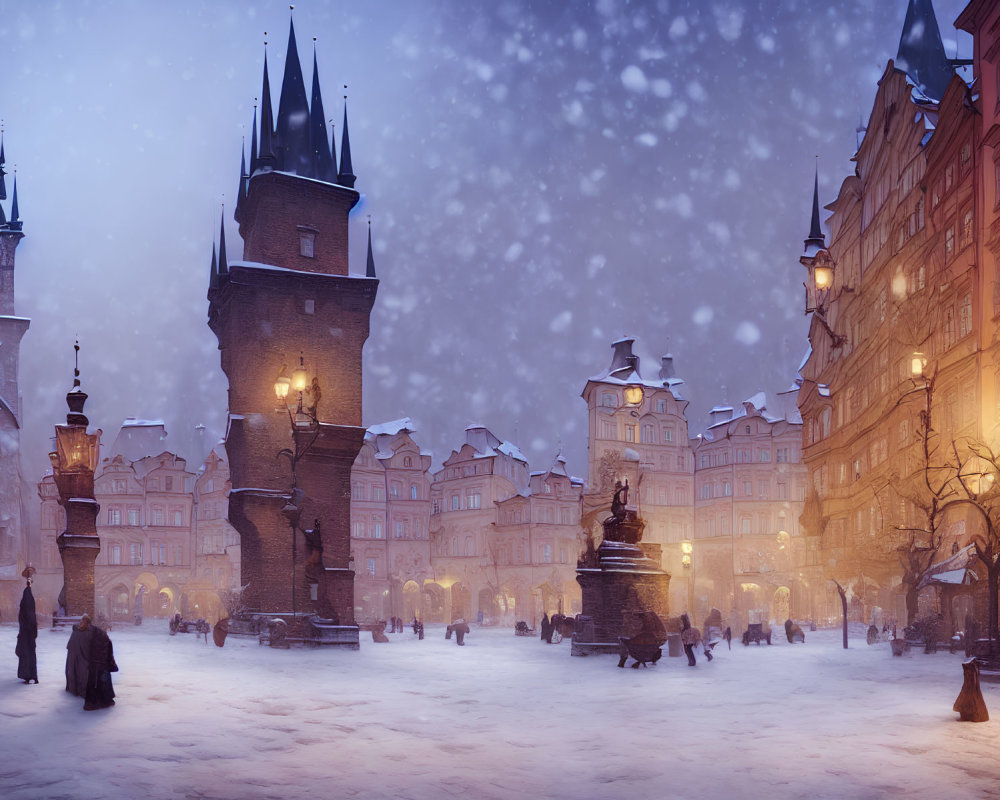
x=213, y=272
x=266, y=158
x=15, y=218
x=241, y=189
x=3, y=162
x=346, y=176
x=816, y=240
x=921, y=53
x=292, y=128
x=253, y=140
x=223, y=263
x=370, y=272
x=323, y=163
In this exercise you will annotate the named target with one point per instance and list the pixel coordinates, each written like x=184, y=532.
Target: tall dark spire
x=241, y=189
x=346, y=176
x=223, y=263
x=266, y=157
x=323, y=165
x=333, y=148
x=921, y=53
x=370, y=272
x=3, y=163
x=816, y=240
x=213, y=273
x=15, y=217
x=253, y=140
x=293, y=114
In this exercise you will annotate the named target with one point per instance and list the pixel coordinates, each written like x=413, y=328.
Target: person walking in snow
x=690, y=637
x=78, y=657
x=100, y=693
x=27, y=632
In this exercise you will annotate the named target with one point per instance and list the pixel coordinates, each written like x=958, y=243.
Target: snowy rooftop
x=503, y=717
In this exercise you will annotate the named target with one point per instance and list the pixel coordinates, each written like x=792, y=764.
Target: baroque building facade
x=644, y=440
x=903, y=306
x=166, y=545
x=750, y=557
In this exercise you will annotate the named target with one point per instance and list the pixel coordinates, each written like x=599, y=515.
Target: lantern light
x=918, y=361
x=281, y=385
x=823, y=277
x=299, y=377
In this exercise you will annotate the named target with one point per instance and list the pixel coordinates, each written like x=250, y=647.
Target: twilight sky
x=542, y=179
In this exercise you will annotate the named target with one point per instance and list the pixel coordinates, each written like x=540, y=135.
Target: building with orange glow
x=504, y=540
x=749, y=557
x=902, y=309
x=166, y=545
x=390, y=524
x=644, y=439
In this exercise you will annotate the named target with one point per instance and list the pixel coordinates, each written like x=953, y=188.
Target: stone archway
x=781, y=605
x=411, y=600
x=433, y=603
x=461, y=602
x=120, y=602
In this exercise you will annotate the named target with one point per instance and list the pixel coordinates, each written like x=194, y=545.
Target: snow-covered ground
x=502, y=717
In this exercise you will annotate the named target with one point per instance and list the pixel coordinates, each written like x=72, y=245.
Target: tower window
x=307, y=243
x=310, y=307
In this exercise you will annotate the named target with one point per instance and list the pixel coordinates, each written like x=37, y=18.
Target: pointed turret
x=223, y=263
x=816, y=240
x=253, y=141
x=15, y=217
x=323, y=164
x=292, y=129
x=345, y=176
x=213, y=273
x=370, y=272
x=241, y=188
x=921, y=53
x=266, y=157
x=333, y=149
x=3, y=163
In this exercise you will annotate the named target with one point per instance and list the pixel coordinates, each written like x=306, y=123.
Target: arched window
x=414, y=492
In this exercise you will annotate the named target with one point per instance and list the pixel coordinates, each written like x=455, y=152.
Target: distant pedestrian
x=78, y=657
x=100, y=692
x=690, y=637
x=27, y=632
x=548, y=627
x=728, y=636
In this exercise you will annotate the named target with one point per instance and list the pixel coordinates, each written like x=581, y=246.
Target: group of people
x=90, y=657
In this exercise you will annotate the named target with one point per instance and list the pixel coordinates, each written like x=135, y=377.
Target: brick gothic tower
x=291, y=300
x=13, y=548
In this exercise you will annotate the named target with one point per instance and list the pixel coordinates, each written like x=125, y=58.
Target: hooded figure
x=78, y=657
x=27, y=632
x=100, y=693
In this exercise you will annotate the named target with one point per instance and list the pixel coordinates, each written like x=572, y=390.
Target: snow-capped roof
x=512, y=450
x=392, y=428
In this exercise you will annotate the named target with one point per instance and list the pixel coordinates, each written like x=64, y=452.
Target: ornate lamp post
x=73, y=462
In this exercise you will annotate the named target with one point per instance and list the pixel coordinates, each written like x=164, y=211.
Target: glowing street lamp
x=686, y=550
x=918, y=362
x=823, y=277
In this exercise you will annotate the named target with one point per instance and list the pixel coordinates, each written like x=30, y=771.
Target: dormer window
x=307, y=242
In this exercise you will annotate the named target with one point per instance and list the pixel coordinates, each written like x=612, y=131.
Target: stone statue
x=620, y=500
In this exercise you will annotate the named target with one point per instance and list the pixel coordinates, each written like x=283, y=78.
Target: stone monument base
x=617, y=579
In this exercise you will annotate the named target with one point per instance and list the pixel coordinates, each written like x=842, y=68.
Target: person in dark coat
x=100, y=693
x=78, y=657
x=546, y=627
x=27, y=632
x=690, y=637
